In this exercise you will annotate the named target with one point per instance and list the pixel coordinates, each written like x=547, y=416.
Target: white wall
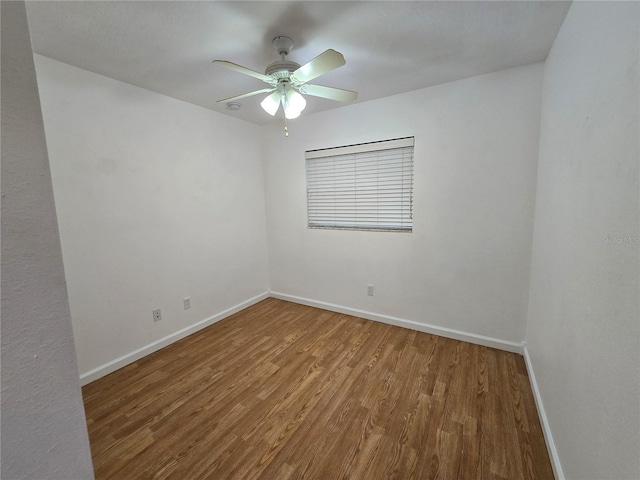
x=157, y=200
x=583, y=327
x=44, y=433
x=466, y=264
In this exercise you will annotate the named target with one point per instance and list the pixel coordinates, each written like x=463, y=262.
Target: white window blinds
x=366, y=187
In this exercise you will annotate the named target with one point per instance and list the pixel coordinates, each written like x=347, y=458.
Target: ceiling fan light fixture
x=291, y=114
x=293, y=104
x=271, y=103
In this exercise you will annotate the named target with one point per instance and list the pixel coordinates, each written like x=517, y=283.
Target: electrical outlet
x=186, y=302
x=370, y=290
x=157, y=316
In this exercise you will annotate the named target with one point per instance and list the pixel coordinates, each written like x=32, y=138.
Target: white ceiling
x=390, y=47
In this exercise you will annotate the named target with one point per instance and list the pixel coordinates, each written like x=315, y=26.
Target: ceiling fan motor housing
x=281, y=69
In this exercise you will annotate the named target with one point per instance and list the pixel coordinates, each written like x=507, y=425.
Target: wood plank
x=286, y=391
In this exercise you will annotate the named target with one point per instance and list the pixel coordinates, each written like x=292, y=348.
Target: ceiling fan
x=288, y=80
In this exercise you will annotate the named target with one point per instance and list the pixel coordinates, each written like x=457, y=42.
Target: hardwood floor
x=285, y=391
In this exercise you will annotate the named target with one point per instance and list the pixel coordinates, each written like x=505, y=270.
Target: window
x=361, y=187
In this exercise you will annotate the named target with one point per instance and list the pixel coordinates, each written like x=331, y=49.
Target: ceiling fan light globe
x=291, y=113
x=296, y=101
x=270, y=105
x=293, y=104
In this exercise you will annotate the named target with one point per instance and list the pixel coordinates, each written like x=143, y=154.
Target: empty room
x=321, y=240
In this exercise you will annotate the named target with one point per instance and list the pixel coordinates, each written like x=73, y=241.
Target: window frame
x=363, y=208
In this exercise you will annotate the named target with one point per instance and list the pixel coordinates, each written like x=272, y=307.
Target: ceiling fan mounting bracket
x=282, y=69
x=283, y=45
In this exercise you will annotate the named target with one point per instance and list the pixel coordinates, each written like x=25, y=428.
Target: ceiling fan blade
x=329, y=92
x=323, y=63
x=245, y=95
x=246, y=71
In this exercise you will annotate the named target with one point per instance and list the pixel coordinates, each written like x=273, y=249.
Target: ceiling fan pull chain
x=286, y=128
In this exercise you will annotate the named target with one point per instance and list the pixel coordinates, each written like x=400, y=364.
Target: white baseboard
x=546, y=429
x=120, y=362
x=514, y=347
x=411, y=324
